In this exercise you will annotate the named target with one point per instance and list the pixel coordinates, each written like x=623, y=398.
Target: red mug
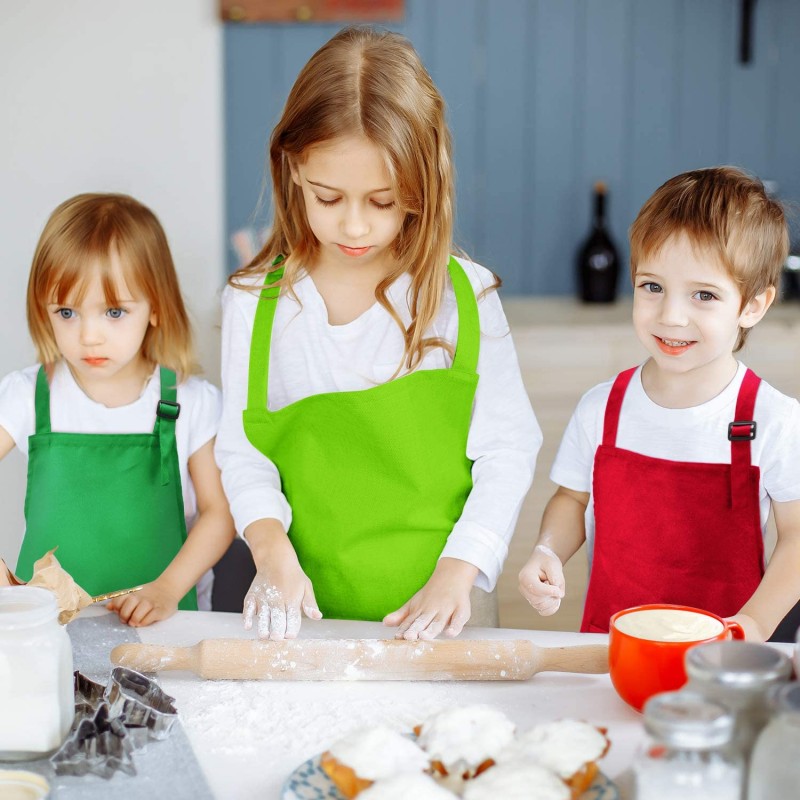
x=641, y=667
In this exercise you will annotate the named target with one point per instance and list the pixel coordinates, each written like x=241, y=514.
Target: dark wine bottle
x=598, y=261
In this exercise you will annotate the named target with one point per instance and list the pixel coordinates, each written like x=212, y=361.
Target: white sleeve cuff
x=480, y=547
x=262, y=503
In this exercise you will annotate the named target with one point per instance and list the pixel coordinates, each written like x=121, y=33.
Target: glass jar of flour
x=37, y=699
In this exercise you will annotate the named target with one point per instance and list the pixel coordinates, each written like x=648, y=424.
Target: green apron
x=376, y=478
x=111, y=502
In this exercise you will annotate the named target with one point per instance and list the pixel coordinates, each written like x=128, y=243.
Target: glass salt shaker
x=739, y=675
x=688, y=755
x=37, y=699
x=775, y=763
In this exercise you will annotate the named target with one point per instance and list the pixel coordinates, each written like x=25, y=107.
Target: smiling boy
x=669, y=471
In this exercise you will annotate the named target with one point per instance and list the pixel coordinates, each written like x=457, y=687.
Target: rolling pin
x=364, y=659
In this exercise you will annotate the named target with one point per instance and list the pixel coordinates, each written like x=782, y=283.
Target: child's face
x=687, y=310
x=350, y=204
x=99, y=342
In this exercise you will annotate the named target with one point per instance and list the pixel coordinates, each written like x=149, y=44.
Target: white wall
x=108, y=95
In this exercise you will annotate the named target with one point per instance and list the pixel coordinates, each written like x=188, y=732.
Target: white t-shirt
x=71, y=410
x=697, y=434
x=310, y=356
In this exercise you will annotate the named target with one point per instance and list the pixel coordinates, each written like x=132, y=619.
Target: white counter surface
x=249, y=736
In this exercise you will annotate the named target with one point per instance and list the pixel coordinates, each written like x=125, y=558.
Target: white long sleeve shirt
x=310, y=356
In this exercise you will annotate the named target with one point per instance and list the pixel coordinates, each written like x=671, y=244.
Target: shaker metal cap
x=737, y=664
x=688, y=720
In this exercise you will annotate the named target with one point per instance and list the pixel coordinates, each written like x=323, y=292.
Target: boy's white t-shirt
x=71, y=410
x=310, y=356
x=697, y=434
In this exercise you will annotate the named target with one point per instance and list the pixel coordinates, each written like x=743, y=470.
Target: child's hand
x=442, y=604
x=275, y=599
x=153, y=602
x=541, y=580
x=5, y=574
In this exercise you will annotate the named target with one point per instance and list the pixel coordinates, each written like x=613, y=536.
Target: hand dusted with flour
x=377, y=440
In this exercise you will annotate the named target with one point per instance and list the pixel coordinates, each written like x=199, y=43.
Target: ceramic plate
x=309, y=782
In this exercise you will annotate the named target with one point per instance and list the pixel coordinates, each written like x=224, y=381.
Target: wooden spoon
x=364, y=659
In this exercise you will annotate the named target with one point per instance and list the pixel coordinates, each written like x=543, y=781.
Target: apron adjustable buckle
x=741, y=431
x=166, y=409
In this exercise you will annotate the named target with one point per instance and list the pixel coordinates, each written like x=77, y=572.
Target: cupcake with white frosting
x=363, y=757
x=516, y=781
x=569, y=748
x=403, y=787
x=465, y=741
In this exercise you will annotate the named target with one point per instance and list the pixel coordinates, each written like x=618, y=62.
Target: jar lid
x=737, y=664
x=23, y=785
x=688, y=720
x=25, y=606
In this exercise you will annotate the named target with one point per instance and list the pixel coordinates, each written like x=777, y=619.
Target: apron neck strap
x=467, y=346
x=469, y=328
x=42, y=402
x=740, y=433
x=258, y=374
x=613, y=406
x=167, y=411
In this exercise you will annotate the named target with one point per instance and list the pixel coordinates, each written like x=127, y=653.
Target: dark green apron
x=376, y=478
x=111, y=502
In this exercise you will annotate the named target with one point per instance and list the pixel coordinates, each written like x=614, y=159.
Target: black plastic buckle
x=166, y=409
x=736, y=434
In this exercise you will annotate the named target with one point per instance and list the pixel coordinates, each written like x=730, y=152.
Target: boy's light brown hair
x=76, y=245
x=724, y=212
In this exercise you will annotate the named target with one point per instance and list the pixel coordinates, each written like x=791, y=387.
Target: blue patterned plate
x=309, y=782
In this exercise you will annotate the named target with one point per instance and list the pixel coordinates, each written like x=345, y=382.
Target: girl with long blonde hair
x=376, y=441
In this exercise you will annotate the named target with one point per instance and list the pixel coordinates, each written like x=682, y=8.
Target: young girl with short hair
x=119, y=435
x=376, y=441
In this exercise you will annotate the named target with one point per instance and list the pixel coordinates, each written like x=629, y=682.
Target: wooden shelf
x=345, y=11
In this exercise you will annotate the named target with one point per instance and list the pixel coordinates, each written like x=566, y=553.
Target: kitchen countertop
x=249, y=736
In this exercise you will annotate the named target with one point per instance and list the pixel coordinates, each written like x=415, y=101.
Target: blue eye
x=653, y=288
x=65, y=313
x=115, y=313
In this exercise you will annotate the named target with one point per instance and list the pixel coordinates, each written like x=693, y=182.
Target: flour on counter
x=237, y=718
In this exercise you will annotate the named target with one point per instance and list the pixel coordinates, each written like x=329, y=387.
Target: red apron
x=672, y=531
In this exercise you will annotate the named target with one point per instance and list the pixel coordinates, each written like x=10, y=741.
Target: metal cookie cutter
x=141, y=702
x=88, y=697
x=98, y=744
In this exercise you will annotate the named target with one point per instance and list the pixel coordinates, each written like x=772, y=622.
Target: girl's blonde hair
x=373, y=84
x=724, y=212
x=78, y=239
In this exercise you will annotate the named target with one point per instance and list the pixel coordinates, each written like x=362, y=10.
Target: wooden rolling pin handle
x=153, y=657
x=586, y=658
